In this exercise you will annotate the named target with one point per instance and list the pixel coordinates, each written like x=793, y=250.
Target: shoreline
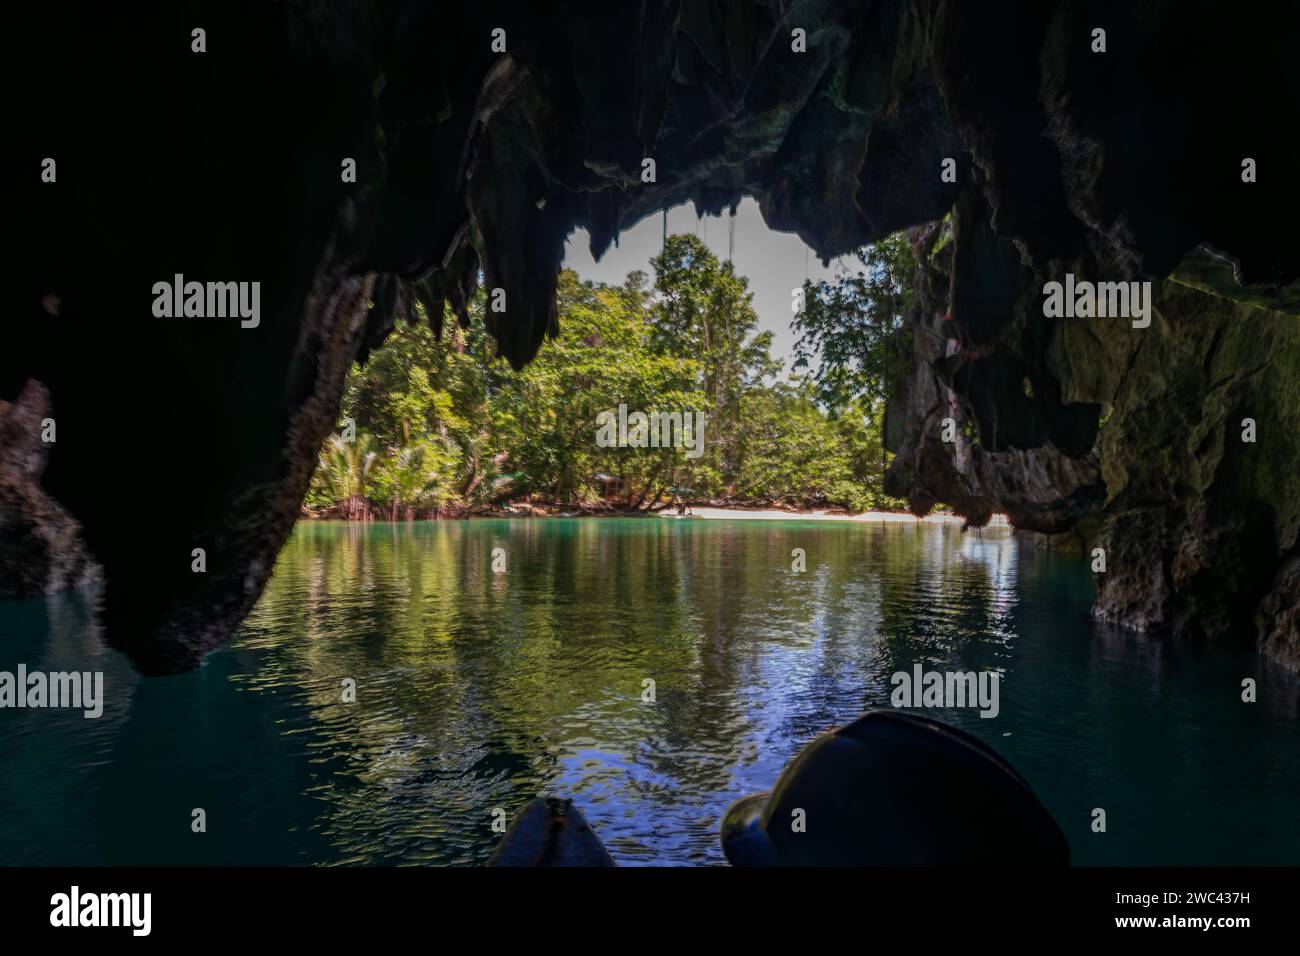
x=710, y=513
x=703, y=513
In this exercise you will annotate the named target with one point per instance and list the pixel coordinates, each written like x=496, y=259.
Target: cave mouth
x=381, y=181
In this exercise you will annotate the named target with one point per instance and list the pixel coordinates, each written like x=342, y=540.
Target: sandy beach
x=774, y=514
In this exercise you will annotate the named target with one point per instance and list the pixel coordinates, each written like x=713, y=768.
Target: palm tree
x=345, y=469
x=416, y=481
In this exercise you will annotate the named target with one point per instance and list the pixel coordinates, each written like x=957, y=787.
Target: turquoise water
x=478, y=690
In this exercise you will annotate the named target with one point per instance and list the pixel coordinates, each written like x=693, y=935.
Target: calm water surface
x=478, y=690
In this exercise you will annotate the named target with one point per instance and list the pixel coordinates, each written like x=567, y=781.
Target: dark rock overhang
x=225, y=165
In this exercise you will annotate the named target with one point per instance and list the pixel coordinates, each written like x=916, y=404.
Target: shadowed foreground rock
x=41, y=548
x=226, y=165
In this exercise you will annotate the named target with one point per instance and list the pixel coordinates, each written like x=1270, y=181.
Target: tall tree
x=848, y=329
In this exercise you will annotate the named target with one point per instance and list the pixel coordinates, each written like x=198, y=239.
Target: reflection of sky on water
x=479, y=690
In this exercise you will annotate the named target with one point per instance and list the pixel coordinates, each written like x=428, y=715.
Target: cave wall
x=1196, y=520
x=1114, y=167
x=41, y=546
x=1200, y=529
x=225, y=165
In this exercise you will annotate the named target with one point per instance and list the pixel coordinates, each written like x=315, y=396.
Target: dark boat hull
x=550, y=831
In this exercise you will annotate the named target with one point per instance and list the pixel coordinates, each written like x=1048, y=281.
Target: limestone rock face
x=1184, y=471
x=41, y=546
x=980, y=423
x=1279, y=616
x=1206, y=512
x=226, y=165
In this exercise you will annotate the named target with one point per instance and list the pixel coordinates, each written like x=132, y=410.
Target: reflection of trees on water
x=479, y=689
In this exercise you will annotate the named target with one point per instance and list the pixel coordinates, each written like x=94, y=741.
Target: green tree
x=848, y=330
x=445, y=424
x=603, y=357
x=344, y=474
x=705, y=312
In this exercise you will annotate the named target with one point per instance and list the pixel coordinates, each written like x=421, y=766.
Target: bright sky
x=773, y=262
